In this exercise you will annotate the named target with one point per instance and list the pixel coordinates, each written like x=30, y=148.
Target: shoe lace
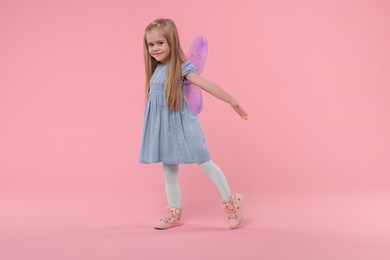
x=171, y=215
x=229, y=209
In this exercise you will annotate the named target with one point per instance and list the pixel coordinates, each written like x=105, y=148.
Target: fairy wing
x=197, y=54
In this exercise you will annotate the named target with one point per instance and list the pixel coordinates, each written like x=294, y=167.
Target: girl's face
x=158, y=46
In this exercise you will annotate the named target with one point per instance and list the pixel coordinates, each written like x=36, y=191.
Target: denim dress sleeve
x=187, y=67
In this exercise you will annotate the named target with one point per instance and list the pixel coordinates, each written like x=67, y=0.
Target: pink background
x=312, y=160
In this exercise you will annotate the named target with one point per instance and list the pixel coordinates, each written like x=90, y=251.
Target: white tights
x=172, y=187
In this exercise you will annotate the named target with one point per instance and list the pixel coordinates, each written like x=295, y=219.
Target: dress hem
x=176, y=162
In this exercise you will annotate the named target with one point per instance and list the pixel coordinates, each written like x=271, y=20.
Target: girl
x=171, y=132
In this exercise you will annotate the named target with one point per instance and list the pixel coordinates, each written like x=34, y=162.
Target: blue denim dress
x=170, y=137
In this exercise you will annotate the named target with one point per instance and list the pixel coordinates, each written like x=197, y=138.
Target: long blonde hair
x=173, y=82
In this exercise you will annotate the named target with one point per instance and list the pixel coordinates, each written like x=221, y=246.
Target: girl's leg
x=173, y=217
x=172, y=188
x=217, y=176
x=232, y=203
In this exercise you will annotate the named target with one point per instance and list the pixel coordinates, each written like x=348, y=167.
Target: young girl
x=171, y=132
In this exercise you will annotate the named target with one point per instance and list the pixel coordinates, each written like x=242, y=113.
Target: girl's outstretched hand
x=243, y=114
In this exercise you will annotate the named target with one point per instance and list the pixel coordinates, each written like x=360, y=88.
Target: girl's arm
x=216, y=91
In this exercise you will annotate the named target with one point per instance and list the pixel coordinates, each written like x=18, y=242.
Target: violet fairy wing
x=197, y=54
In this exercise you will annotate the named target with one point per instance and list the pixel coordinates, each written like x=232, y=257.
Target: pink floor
x=75, y=225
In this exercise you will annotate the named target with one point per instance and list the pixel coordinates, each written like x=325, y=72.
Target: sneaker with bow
x=171, y=219
x=234, y=209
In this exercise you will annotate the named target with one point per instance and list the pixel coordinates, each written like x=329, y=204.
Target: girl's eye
x=150, y=45
x=160, y=43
